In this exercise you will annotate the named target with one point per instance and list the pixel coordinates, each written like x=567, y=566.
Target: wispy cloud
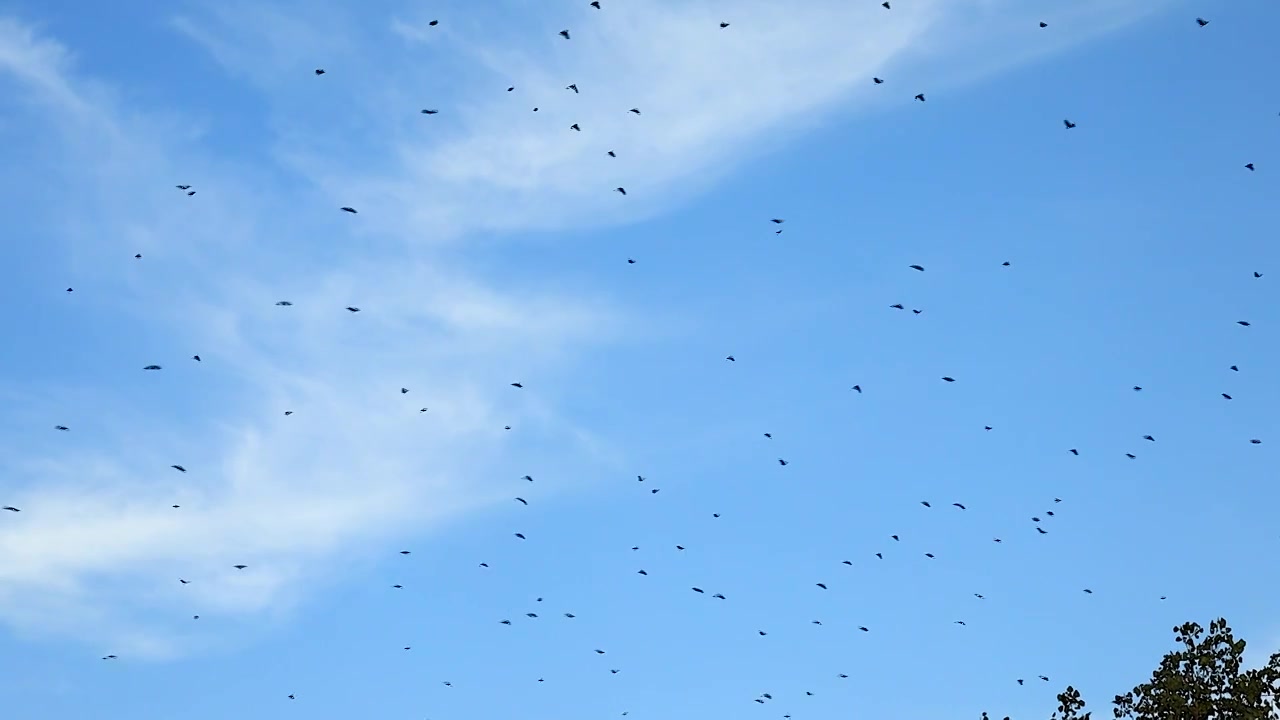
x=97, y=543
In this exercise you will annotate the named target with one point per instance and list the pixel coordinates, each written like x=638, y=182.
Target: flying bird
x=348, y=209
x=920, y=97
x=1069, y=124
x=564, y=34
x=877, y=80
x=620, y=190
x=522, y=500
x=949, y=379
x=516, y=385
x=1249, y=165
x=284, y=303
x=1075, y=451
x=575, y=127
x=821, y=585
x=179, y=468
x=858, y=388
x=1044, y=24
x=731, y=358
x=430, y=112
x=522, y=537
x=897, y=306
x=782, y=462
x=239, y=567
x=319, y=71
x=353, y=309
x=925, y=503
x=916, y=267
x=196, y=358
x=151, y=367
x=724, y=24
x=634, y=110
x=572, y=86
x=406, y=552
x=10, y=508
x=1243, y=323
x=64, y=428
x=962, y=507
x=1201, y=22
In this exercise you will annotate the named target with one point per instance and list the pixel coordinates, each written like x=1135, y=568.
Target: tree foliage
x=1202, y=680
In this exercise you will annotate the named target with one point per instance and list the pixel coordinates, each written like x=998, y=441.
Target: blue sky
x=489, y=248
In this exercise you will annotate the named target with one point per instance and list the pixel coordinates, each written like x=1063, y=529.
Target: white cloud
x=97, y=543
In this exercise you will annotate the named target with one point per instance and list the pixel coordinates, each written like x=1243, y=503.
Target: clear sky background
x=490, y=248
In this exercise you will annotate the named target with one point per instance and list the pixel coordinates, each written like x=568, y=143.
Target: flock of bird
x=1040, y=523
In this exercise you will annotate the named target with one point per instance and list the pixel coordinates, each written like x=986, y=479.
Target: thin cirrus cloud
x=97, y=544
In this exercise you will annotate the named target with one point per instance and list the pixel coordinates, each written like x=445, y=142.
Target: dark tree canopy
x=1201, y=680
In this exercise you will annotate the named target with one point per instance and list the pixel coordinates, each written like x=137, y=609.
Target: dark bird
x=239, y=567
x=1019, y=681
x=612, y=154
x=1233, y=367
x=847, y=562
x=929, y=555
x=920, y=97
x=724, y=24
x=430, y=112
x=949, y=379
x=434, y=23
x=319, y=71
x=109, y=657
x=404, y=390
x=1042, y=677
x=179, y=468
x=348, y=209
x=398, y=587
x=73, y=290
x=1256, y=441
x=184, y=582
x=284, y=303
x=880, y=556
x=1005, y=263
x=979, y=596
x=10, y=508
x=599, y=652
x=564, y=34
x=572, y=86
x=532, y=615
x=575, y=127
x=641, y=572
x=61, y=427
x=697, y=590
x=762, y=633
x=595, y=4
x=516, y=385
x=1148, y=437
x=1226, y=396
x=718, y=596
x=1075, y=451
x=781, y=461
x=916, y=267
x=1042, y=531
x=731, y=358
x=196, y=358
x=885, y=5
x=1249, y=165
x=634, y=110
x=1201, y=22
x=484, y=564
x=925, y=503
x=679, y=547
x=1087, y=590
x=897, y=306
x=190, y=193
x=895, y=537
x=405, y=552
x=522, y=500
x=353, y=309
x=631, y=261
x=522, y=537
x=527, y=477
x=858, y=388
x=138, y=256
x=151, y=367
x=1044, y=25
x=962, y=507
x=511, y=88
x=996, y=540
x=769, y=435
x=620, y=190
x=1069, y=124
x=777, y=221
x=821, y=585
x=183, y=187
x=1137, y=388
x=877, y=80
x=291, y=697
x=959, y=622
x=288, y=413
x=986, y=427
x=1256, y=274
x=1243, y=323
x=863, y=629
